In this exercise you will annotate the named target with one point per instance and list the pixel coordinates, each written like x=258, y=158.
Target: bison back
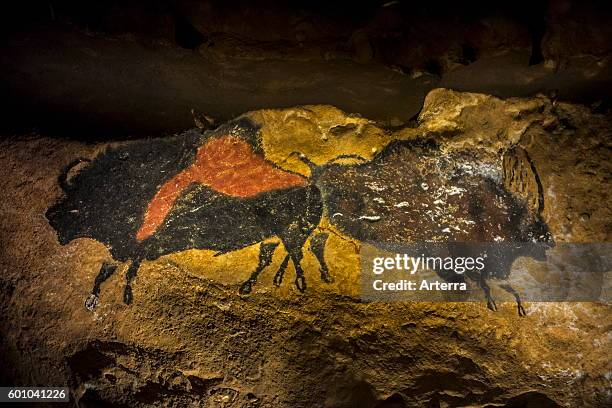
x=412, y=193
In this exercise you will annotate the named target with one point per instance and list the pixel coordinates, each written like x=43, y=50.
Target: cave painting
x=226, y=164
x=216, y=191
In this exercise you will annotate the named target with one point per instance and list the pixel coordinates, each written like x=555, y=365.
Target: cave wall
x=121, y=69
x=323, y=79
x=190, y=338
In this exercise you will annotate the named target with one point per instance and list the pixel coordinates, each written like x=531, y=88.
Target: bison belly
x=203, y=218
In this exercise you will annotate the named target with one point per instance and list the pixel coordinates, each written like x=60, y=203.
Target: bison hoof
x=521, y=311
x=127, y=295
x=278, y=278
x=491, y=305
x=92, y=302
x=300, y=283
x=326, y=277
x=246, y=287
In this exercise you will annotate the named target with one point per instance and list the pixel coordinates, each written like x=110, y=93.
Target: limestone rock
x=190, y=339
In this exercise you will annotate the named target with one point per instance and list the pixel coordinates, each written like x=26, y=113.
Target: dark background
x=114, y=69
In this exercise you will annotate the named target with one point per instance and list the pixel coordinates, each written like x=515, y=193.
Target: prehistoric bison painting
x=216, y=190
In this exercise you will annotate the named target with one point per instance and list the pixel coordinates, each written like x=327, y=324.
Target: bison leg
x=265, y=257
x=296, y=256
x=519, y=304
x=482, y=282
x=129, y=277
x=106, y=271
x=278, y=277
x=317, y=247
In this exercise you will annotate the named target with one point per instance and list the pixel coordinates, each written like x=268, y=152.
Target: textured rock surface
x=380, y=59
x=190, y=338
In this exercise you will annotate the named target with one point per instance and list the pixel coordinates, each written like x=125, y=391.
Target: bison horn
x=304, y=159
x=348, y=156
x=63, y=177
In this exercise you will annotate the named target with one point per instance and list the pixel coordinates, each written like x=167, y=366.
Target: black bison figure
x=211, y=190
x=215, y=190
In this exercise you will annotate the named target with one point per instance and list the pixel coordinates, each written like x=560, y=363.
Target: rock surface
x=138, y=69
x=189, y=338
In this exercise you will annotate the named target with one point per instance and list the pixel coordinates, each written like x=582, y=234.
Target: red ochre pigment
x=227, y=165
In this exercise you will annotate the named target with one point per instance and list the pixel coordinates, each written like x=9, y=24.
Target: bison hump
x=230, y=166
x=225, y=164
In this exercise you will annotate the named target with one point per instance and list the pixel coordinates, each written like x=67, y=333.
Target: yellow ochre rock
x=191, y=339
